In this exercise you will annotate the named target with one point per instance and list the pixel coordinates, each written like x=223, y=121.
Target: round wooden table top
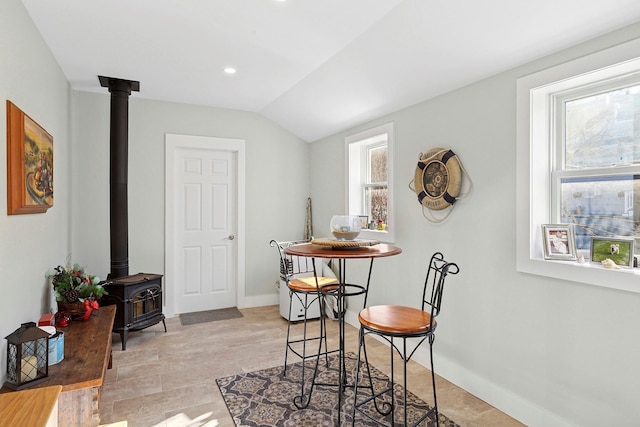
x=320, y=251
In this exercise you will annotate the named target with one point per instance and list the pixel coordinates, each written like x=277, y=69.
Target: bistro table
x=342, y=251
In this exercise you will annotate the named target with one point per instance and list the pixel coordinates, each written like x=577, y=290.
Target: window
x=579, y=160
x=369, y=180
x=597, y=152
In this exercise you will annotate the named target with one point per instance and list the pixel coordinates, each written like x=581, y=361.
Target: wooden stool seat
x=397, y=320
x=309, y=284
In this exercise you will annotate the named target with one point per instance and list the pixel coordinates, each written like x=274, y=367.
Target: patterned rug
x=265, y=398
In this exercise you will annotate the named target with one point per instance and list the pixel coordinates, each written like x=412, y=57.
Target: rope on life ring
x=438, y=181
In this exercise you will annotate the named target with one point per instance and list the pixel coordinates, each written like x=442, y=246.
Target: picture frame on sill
x=559, y=242
x=617, y=249
x=29, y=164
x=364, y=221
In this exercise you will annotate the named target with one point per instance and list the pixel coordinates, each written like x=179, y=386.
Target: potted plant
x=72, y=286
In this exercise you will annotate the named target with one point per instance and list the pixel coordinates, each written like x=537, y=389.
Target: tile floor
x=168, y=379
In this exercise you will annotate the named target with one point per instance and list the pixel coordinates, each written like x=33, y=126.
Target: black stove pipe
x=118, y=172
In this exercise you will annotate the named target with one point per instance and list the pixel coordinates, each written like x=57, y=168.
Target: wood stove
x=139, y=303
x=138, y=297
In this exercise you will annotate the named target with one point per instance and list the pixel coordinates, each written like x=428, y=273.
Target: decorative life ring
x=438, y=178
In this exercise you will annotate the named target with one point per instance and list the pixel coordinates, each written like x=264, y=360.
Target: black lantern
x=27, y=356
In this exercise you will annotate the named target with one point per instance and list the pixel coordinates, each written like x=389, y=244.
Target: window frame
x=365, y=164
x=558, y=133
x=535, y=162
x=356, y=146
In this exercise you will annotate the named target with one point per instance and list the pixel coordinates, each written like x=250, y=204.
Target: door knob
x=231, y=237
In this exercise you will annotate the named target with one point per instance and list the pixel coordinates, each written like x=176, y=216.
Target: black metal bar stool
x=307, y=291
x=399, y=322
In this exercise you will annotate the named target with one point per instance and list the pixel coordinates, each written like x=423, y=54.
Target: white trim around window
x=534, y=169
x=355, y=178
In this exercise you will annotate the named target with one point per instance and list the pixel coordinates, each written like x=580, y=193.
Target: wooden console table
x=87, y=356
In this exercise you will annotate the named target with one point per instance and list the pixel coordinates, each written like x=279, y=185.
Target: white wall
x=30, y=244
x=548, y=352
x=277, y=183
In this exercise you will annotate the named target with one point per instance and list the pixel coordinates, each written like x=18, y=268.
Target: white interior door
x=203, y=224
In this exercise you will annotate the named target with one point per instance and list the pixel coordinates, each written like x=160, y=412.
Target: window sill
x=379, y=235
x=624, y=279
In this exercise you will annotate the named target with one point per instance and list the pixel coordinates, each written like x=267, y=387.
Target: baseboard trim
x=259, y=301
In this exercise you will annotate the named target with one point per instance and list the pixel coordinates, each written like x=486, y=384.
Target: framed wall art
x=618, y=250
x=559, y=241
x=29, y=164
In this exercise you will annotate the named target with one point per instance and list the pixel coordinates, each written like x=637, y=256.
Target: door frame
x=237, y=147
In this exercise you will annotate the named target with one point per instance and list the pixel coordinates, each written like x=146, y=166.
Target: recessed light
x=230, y=70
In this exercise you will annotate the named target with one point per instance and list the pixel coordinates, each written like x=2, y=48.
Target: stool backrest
x=434, y=282
x=292, y=265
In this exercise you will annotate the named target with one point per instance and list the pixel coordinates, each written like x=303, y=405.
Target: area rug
x=209, y=316
x=265, y=398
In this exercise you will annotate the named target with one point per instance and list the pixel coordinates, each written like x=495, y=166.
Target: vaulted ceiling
x=315, y=67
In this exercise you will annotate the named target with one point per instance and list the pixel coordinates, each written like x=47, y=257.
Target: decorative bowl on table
x=345, y=227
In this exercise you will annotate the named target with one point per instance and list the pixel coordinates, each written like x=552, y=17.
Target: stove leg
x=123, y=339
